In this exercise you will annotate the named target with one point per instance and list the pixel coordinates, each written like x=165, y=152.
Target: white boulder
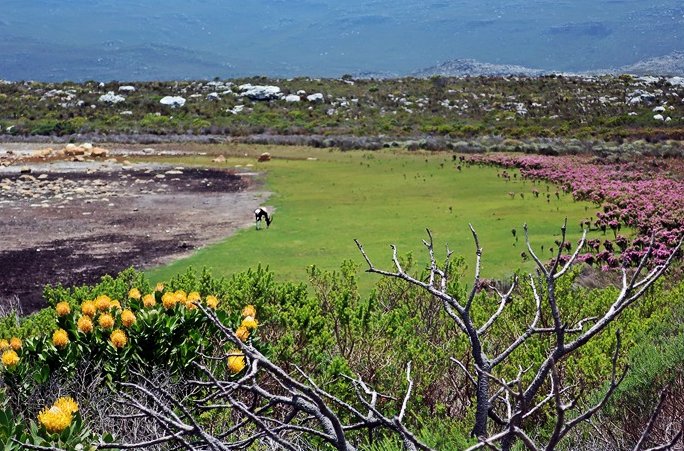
x=112, y=98
x=127, y=88
x=257, y=92
x=317, y=97
x=659, y=109
x=173, y=101
x=658, y=117
x=213, y=96
x=292, y=98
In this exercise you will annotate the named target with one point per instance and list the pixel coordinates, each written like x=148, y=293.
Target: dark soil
x=135, y=219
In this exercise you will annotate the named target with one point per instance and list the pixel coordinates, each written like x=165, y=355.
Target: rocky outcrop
x=112, y=98
x=173, y=101
x=258, y=92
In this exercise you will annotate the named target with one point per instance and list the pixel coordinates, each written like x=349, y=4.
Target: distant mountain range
x=668, y=65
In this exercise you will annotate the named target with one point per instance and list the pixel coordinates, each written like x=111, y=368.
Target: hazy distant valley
x=136, y=40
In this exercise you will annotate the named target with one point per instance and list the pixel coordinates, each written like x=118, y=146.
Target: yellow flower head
x=54, y=419
x=118, y=338
x=67, y=404
x=250, y=323
x=249, y=310
x=15, y=343
x=127, y=318
x=134, y=293
x=88, y=308
x=192, y=298
x=159, y=287
x=149, y=301
x=10, y=358
x=60, y=338
x=169, y=300
x=181, y=296
x=63, y=308
x=106, y=321
x=236, y=361
x=242, y=333
x=102, y=302
x=115, y=304
x=4, y=345
x=85, y=324
x=212, y=301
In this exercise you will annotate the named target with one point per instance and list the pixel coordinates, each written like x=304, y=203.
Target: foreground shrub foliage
x=246, y=362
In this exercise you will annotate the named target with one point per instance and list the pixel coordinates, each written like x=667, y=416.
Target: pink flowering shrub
x=645, y=194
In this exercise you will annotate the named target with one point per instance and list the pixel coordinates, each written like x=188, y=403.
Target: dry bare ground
x=71, y=222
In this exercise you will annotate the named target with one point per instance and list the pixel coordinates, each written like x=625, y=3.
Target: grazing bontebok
x=261, y=213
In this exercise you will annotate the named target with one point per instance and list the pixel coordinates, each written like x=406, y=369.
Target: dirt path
x=73, y=222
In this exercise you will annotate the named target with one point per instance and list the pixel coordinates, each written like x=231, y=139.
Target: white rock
x=301, y=92
x=676, y=81
x=127, y=88
x=659, y=109
x=237, y=109
x=292, y=98
x=258, y=92
x=213, y=96
x=126, y=113
x=668, y=119
x=658, y=117
x=632, y=113
x=317, y=97
x=112, y=98
x=173, y=101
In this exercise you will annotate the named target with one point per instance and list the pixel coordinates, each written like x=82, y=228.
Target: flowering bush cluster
x=145, y=328
x=645, y=194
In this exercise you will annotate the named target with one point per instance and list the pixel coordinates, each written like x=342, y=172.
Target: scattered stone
x=174, y=172
x=25, y=170
x=219, y=159
x=42, y=176
x=112, y=98
x=658, y=117
x=257, y=92
x=127, y=88
x=292, y=98
x=316, y=98
x=173, y=101
x=264, y=157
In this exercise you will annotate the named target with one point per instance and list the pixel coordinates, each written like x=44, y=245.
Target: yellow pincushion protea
x=85, y=324
x=63, y=308
x=115, y=304
x=15, y=343
x=4, y=345
x=134, y=293
x=88, y=308
x=193, y=297
x=159, y=287
x=212, y=301
x=236, y=361
x=242, y=333
x=106, y=321
x=181, y=296
x=67, y=404
x=118, y=338
x=102, y=302
x=127, y=318
x=60, y=338
x=169, y=300
x=54, y=419
x=149, y=301
x=10, y=358
x=249, y=310
x=250, y=323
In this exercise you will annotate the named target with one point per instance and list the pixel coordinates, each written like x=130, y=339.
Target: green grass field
x=382, y=198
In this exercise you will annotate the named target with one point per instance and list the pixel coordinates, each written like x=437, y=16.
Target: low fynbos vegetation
x=453, y=108
x=240, y=360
